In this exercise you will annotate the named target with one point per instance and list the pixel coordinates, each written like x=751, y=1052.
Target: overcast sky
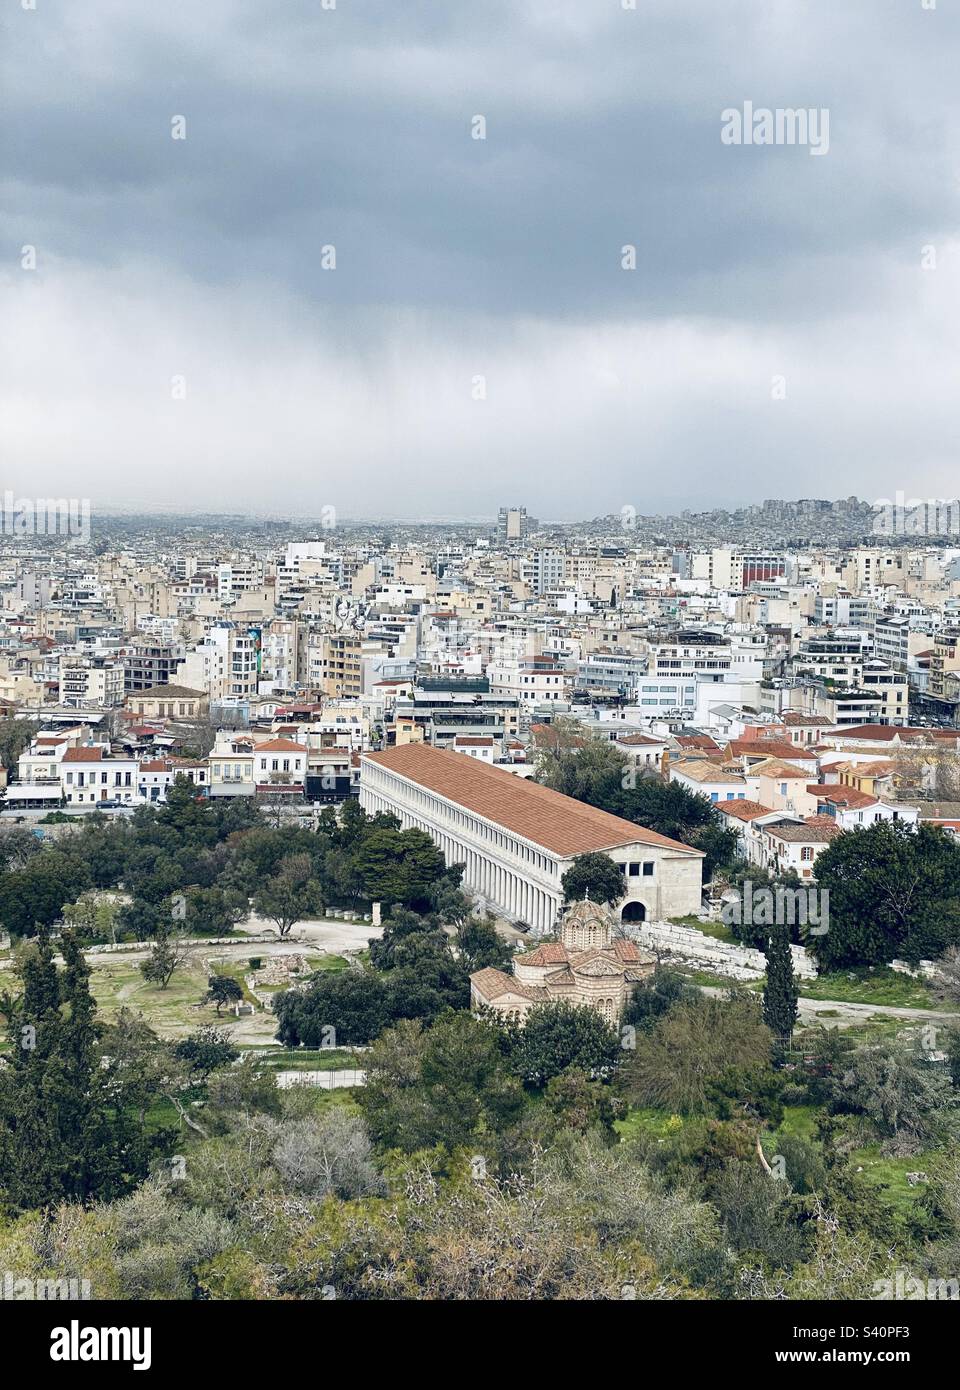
x=181, y=343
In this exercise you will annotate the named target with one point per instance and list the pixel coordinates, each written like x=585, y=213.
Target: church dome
x=587, y=924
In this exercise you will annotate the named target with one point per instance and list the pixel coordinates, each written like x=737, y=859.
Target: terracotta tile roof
x=550, y=953
x=744, y=810
x=84, y=755
x=775, y=767
x=806, y=721
x=818, y=830
x=763, y=748
x=492, y=983
x=280, y=745
x=547, y=818
x=841, y=796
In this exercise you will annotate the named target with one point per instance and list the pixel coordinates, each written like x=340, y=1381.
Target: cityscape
x=479, y=674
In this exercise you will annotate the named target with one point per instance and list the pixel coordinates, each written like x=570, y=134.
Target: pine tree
x=780, y=993
x=68, y=1125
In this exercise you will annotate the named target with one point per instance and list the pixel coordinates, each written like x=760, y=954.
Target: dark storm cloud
x=351, y=126
x=308, y=127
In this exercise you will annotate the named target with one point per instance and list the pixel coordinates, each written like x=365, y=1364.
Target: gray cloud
x=458, y=258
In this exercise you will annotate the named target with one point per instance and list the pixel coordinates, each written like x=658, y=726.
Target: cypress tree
x=780, y=993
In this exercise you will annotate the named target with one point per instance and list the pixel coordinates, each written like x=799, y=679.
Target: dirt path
x=846, y=1015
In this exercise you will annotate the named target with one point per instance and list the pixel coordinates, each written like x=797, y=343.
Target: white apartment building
x=226, y=664
x=90, y=681
x=517, y=838
x=89, y=775
x=531, y=681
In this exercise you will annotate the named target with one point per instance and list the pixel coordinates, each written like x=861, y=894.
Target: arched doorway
x=633, y=912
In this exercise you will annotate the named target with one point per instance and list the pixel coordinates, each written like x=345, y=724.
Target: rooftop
x=558, y=823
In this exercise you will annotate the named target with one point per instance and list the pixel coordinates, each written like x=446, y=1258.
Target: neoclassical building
x=590, y=965
x=517, y=839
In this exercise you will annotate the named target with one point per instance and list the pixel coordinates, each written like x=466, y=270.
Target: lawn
x=328, y=963
x=173, y=1012
x=718, y=930
x=877, y=986
x=889, y=1175
x=307, y=1059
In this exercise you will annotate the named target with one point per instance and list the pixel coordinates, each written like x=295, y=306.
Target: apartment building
x=90, y=681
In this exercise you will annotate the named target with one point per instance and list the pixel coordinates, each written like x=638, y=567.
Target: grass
x=866, y=986
x=799, y=1121
x=173, y=1012
x=889, y=1176
x=307, y=1059
x=718, y=930
x=331, y=963
x=647, y=1120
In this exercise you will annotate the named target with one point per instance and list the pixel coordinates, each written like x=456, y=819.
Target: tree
x=207, y=1049
x=335, y=1009
x=17, y=845
x=36, y=894
x=448, y=1085
x=894, y=894
x=70, y=1123
x=578, y=762
x=690, y=1048
x=559, y=1035
x=167, y=953
x=223, y=989
x=655, y=996
x=669, y=808
x=946, y=980
x=398, y=866
x=399, y=925
x=291, y=895
x=780, y=993
x=480, y=945
x=328, y=1154
x=426, y=979
x=15, y=736
x=910, y=1101
x=593, y=876
x=94, y=916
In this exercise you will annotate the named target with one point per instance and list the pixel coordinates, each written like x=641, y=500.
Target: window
x=648, y=868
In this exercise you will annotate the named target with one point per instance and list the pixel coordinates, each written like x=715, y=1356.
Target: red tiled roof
x=558, y=823
x=744, y=810
x=492, y=983
x=841, y=796
x=550, y=953
x=84, y=755
x=764, y=748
